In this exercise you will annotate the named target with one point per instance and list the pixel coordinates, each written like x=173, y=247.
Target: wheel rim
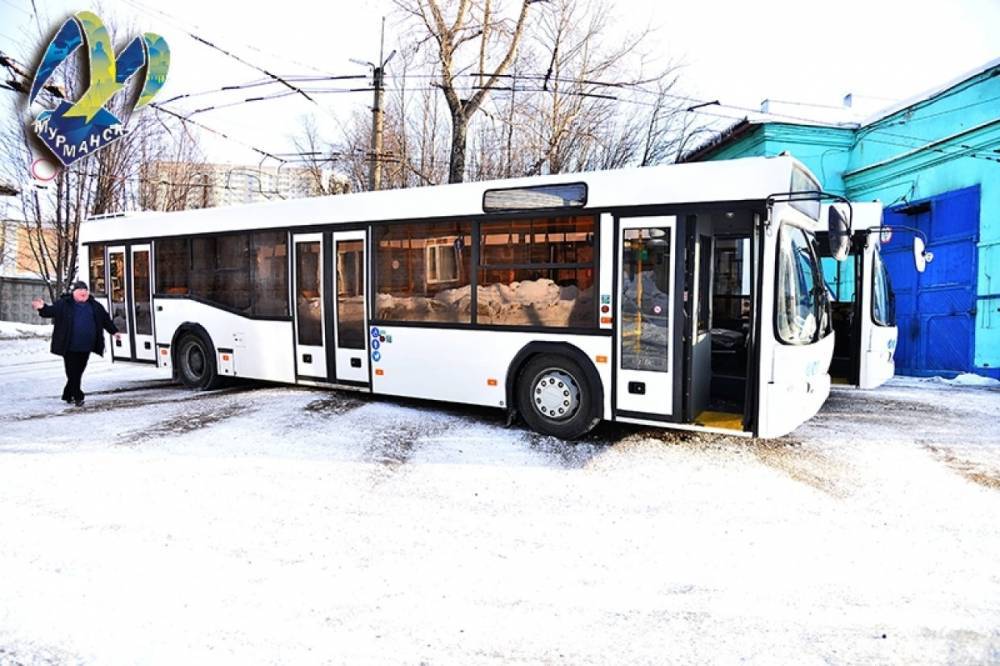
x=194, y=359
x=555, y=394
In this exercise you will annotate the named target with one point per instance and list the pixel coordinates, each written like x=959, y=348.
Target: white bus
x=686, y=296
x=863, y=305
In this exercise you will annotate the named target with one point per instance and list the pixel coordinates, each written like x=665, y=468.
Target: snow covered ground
x=266, y=525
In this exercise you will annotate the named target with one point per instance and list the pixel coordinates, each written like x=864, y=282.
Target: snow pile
x=652, y=295
x=971, y=379
x=13, y=330
x=528, y=302
x=965, y=379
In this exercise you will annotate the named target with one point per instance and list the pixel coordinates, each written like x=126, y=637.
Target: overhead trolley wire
x=263, y=82
x=186, y=25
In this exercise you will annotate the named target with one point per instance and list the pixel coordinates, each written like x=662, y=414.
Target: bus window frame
x=817, y=280
x=476, y=221
x=890, y=297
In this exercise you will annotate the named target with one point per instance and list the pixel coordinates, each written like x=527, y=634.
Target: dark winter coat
x=62, y=333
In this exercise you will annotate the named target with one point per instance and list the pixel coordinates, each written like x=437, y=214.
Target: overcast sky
x=737, y=52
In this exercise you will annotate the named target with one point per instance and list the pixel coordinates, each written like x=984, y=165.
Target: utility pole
x=378, y=115
x=378, y=124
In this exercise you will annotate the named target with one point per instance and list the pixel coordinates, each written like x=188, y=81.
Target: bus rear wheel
x=555, y=398
x=196, y=363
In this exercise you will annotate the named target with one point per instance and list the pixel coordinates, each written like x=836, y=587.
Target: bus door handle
x=355, y=362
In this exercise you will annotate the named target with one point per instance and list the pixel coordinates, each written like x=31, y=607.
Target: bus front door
x=121, y=348
x=647, y=318
x=350, y=329
x=310, y=309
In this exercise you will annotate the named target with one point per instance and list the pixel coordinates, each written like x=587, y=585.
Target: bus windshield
x=883, y=300
x=802, y=308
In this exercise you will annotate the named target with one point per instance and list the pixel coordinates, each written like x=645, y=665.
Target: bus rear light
x=225, y=357
x=379, y=372
x=163, y=352
x=605, y=320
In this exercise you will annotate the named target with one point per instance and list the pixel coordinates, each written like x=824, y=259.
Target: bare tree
x=575, y=96
x=317, y=157
x=471, y=29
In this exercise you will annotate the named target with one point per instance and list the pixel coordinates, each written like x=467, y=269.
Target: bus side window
x=645, y=308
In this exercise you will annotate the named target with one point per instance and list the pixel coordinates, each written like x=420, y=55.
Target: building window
x=537, y=272
x=423, y=272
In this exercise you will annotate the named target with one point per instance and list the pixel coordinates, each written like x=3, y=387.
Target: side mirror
x=921, y=257
x=839, y=228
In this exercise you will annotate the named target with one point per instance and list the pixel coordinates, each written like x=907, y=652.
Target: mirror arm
x=894, y=227
x=808, y=195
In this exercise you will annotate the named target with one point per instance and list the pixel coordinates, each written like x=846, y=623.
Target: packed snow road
x=263, y=524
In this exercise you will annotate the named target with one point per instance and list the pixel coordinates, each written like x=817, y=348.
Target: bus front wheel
x=555, y=398
x=196, y=363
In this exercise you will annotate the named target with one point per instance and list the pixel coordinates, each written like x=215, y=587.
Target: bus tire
x=195, y=363
x=554, y=397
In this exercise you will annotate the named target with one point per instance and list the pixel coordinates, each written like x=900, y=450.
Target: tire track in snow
x=974, y=472
x=183, y=423
x=118, y=404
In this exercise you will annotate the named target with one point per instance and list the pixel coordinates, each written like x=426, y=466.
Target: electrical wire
x=185, y=26
x=263, y=82
x=958, y=88
x=15, y=7
x=955, y=154
x=937, y=114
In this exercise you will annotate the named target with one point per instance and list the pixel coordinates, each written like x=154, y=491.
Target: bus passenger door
x=141, y=303
x=647, y=318
x=350, y=328
x=121, y=348
x=310, y=336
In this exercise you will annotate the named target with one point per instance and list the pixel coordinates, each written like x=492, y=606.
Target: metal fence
x=15, y=299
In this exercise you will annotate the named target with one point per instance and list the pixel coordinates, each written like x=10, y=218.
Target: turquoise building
x=934, y=163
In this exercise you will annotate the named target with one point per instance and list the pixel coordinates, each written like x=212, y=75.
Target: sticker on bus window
x=376, y=344
x=375, y=331
x=376, y=356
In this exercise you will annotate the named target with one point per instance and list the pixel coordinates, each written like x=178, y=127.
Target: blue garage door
x=936, y=310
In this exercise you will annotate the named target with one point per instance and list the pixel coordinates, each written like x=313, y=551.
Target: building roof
x=749, y=123
x=933, y=92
